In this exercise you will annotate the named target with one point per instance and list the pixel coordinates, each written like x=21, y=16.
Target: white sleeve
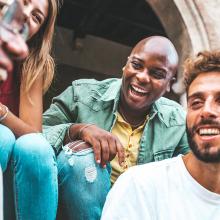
x=126, y=201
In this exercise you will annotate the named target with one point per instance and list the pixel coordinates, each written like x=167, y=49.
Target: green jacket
x=92, y=101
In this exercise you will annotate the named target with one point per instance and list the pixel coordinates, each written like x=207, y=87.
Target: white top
x=160, y=191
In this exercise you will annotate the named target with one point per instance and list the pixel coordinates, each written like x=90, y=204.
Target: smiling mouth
x=138, y=91
x=208, y=131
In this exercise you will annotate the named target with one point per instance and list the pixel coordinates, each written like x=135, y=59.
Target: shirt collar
x=113, y=93
x=121, y=120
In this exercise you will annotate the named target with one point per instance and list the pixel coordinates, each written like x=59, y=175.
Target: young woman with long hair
x=27, y=160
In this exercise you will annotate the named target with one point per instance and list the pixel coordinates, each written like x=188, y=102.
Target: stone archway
x=184, y=23
x=192, y=25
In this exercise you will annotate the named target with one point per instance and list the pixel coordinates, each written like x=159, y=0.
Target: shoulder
x=151, y=173
x=96, y=90
x=171, y=111
x=167, y=104
x=87, y=87
x=93, y=83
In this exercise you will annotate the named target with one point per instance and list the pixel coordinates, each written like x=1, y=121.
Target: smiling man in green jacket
x=125, y=121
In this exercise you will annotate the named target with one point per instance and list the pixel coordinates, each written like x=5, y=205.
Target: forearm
x=56, y=121
x=73, y=132
x=17, y=126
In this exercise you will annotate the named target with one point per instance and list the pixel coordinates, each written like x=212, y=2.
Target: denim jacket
x=92, y=101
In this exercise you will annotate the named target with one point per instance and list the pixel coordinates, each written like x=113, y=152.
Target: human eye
x=25, y=2
x=218, y=99
x=37, y=18
x=195, y=104
x=136, y=65
x=157, y=73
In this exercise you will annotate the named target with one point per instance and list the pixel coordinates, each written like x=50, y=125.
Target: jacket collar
x=163, y=115
x=113, y=93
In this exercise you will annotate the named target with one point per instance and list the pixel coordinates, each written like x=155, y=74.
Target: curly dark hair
x=205, y=61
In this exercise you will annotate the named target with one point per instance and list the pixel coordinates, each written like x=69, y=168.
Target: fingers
x=13, y=44
x=112, y=148
x=97, y=150
x=120, y=151
x=116, y=148
x=105, y=152
x=105, y=145
x=17, y=48
x=5, y=62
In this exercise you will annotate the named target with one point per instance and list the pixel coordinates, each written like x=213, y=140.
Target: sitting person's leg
x=1, y=195
x=34, y=173
x=7, y=140
x=83, y=185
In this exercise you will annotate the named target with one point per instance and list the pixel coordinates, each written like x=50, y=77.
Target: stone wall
x=192, y=25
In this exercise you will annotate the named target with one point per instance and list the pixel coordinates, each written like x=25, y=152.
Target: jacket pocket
x=163, y=154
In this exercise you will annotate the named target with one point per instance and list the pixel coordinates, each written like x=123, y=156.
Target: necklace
x=132, y=125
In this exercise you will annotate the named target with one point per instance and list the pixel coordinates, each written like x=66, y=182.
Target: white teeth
x=209, y=131
x=138, y=89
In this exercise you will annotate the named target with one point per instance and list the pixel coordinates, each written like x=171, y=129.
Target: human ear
x=169, y=85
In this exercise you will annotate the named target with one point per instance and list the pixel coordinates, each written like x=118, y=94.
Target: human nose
x=209, y=110
x=143, y=76
x=27, y=12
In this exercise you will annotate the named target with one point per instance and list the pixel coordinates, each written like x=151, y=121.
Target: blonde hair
x=205, y=61
x=40, y=60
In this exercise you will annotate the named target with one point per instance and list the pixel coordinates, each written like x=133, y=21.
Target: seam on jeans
x=56, y=190
x=59, y=173
x=17, y=211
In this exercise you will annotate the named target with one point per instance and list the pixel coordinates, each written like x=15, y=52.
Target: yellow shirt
x=130, y=140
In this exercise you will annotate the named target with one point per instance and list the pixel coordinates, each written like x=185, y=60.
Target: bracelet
x=5, y=114
x=81, y=129
x=68, y=134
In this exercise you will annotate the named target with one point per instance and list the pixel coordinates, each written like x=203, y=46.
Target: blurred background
x=94, y=37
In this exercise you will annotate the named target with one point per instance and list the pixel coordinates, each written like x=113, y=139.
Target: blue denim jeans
x=30, y=177
x=7, y=141
x=83, y=186
x=1, y=195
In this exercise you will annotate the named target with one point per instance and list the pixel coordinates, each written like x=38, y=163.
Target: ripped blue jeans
x=83, y=185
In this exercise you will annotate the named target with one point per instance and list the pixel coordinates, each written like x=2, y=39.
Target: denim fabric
x=91, y=101
x=30, y=181
x=83, y=186
x=1, y=195
x=7, y=140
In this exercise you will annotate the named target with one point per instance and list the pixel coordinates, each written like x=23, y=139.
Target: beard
x=202, y=153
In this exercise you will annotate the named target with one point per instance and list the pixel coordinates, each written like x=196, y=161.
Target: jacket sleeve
x=58, y=118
